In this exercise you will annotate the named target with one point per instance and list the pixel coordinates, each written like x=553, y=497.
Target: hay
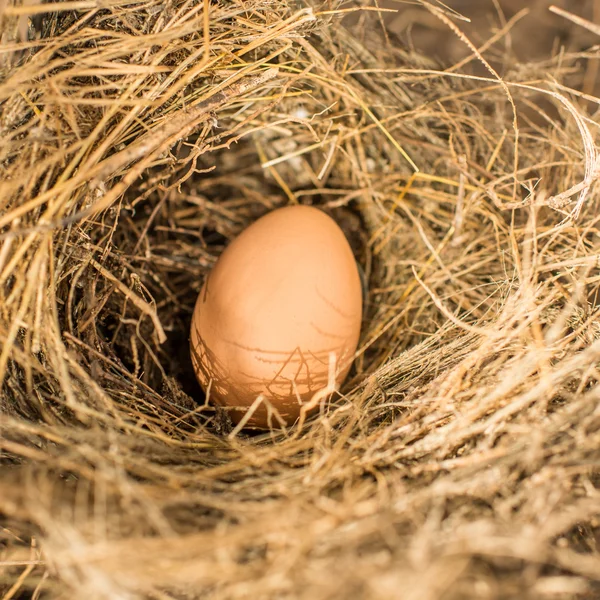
x=460, y=460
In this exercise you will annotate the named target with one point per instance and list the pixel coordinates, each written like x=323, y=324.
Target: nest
x=461, y=457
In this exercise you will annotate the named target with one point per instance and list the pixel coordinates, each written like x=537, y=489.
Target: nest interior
x=461, y=458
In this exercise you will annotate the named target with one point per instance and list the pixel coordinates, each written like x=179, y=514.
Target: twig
x=445, y=311
x=575, y=19
x=138, y=302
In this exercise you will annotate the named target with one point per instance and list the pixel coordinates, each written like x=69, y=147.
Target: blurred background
x=533, y=36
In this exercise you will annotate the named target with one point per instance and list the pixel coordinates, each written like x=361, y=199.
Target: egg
x=277, y=321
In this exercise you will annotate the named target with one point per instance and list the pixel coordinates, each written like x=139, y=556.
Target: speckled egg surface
x=277, y=317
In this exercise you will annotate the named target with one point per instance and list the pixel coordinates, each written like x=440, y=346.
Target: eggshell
x=282, y=298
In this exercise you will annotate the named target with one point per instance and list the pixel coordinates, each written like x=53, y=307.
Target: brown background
x=537, y=34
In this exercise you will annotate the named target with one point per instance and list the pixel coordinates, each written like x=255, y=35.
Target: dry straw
x=462, y=458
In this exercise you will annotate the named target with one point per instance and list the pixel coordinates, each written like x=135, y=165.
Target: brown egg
x=278, y=318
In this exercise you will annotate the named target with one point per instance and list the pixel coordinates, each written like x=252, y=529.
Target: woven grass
x=462, y=457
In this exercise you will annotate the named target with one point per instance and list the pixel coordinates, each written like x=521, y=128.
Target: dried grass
x=462, y=459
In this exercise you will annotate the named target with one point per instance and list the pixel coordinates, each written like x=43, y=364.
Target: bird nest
x=460, y=459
